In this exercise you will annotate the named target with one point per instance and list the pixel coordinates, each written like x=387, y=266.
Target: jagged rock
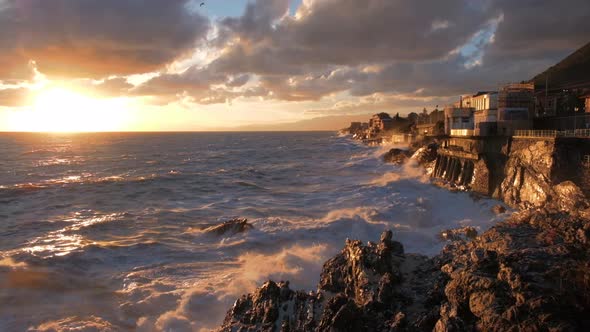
x=498, y=209
x=466, y=233
x=230, y=227
x=523, y=274
x=570, y=197
x=529, y=180
x=529, y=273
x=274, y=307
x=361, y=289
x=397, y=156
x=426, y=154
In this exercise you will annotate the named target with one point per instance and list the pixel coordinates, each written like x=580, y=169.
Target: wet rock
x=361, y=289
x=530, y=179
x=426, y=155
x=498, y=209
x=397, y=156
x=528, y=273
x=514, y=277
x=466, y=233
x=273, y=305
x=230, y=227
x=569, y=197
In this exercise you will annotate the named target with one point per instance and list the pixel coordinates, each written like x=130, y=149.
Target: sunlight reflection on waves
x=116, y=239
x=63, y=241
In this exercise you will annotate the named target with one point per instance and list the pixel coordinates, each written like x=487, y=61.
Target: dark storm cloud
x=345, y=32
x=389, y=47
x=539, y=29
x=415, y=43
x=95, y=38
x=192, y=80
x=238, y=81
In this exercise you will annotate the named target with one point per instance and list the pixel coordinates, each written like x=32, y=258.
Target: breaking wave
x=114, y=240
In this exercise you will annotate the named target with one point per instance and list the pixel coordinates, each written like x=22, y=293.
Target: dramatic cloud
x=345, y=32
x=539, y=29
x=343, y=55
x=95, y=38
x=421, y=48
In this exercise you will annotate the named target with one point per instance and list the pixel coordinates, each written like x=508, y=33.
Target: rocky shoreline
x=528, y=273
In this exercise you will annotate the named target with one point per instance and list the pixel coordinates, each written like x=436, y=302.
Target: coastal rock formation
x=460, y=234
x=373, y=287
x=426, y=155
x=230, y=227
x=397, y=156
x=498, y=209
x=529, y=179
x=529, y=273
x=423, y=155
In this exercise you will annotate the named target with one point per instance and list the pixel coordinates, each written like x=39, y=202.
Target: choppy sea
x=106, y=232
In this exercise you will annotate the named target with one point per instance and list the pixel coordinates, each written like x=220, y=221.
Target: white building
x=459, y=121
x=485, y=117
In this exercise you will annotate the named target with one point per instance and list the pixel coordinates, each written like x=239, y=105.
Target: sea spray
x=129, y=252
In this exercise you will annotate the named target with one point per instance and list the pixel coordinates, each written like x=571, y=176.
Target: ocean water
x=107, y=232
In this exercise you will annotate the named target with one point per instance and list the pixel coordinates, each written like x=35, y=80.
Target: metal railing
x=552, y=133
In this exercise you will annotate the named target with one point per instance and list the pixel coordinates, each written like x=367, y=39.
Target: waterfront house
x=485, y=117
x=381, y=122
x=459, y=120
x=432, y=124
x=515, y=107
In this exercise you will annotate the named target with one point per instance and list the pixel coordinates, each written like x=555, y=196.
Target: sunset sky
x=94, y=65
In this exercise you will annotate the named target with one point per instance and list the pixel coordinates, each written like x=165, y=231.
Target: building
x=483, y=100
x=516, y=107
x=587, y=104
x=432, y=124
x=381, y=122
x=561, y=94
x=485, y=117
x=431, y=129
x=459, y=120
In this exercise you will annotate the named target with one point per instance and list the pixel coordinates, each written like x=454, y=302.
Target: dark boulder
x=426, y=155
x=230, y=227
x=397, y=156
x=498, y=209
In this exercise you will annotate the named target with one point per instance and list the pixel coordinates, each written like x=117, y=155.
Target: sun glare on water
x=63, y=110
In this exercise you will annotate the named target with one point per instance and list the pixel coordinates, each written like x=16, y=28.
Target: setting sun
x=63, y=110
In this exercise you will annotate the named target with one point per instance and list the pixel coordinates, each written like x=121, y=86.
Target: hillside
x=315, y=124
x=571, y=72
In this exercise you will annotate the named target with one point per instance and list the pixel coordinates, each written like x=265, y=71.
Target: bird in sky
x=202, y=4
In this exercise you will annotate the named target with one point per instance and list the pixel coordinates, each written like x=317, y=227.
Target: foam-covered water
x=105, y=231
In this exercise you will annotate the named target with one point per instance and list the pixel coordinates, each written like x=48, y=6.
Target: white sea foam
x=131, y=255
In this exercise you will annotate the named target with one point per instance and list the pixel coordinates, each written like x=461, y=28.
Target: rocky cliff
x=529, y=273
x=533, y=177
